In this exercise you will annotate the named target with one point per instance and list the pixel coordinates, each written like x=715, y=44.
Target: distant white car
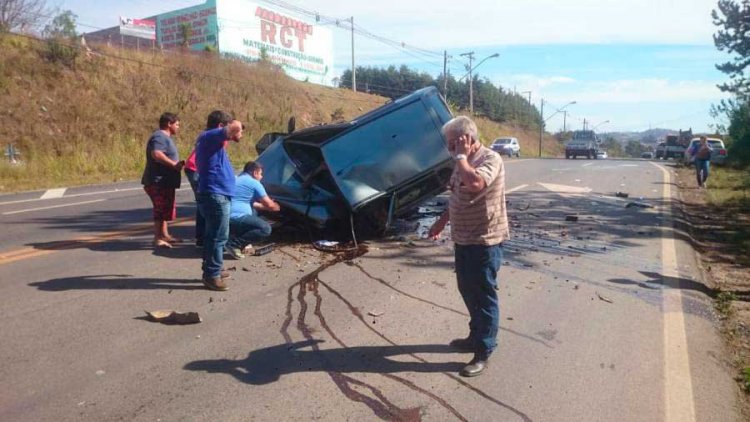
x=507, y=146
x=601, y=154
x=718, y=156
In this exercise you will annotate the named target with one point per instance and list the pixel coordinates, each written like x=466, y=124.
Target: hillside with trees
x=493, y=102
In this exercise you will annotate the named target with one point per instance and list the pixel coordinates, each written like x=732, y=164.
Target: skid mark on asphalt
x=380, y=405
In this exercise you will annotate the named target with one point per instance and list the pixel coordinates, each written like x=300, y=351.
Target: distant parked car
x=601, y=154
x=507, y=146
x=718, y=156
x=648, y=155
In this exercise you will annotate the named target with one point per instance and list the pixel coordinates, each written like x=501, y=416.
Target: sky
x=629, y=65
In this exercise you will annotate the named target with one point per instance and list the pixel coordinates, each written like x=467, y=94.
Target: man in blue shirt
x=215, y=189
x=249, y=197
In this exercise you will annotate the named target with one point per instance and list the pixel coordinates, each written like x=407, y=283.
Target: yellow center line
x=7, y=257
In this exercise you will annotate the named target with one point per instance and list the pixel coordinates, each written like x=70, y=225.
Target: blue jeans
x=476, y=271
x=247, y=229
x=215, y=210
x=701, y=170
x=200, y=223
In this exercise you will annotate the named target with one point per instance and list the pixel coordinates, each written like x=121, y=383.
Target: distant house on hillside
x=236, y=28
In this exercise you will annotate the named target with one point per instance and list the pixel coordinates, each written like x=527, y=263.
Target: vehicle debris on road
x=174, y=317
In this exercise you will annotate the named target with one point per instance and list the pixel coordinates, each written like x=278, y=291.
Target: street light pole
x=541, y=128
x=594, y=128
x=542, y=120
x=470, y=55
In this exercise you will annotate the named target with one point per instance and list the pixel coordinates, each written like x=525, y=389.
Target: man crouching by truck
x=479, y=225
x=245, y=225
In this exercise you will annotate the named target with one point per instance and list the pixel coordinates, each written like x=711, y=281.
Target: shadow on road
x=267, y=365
x=115, y=282
x=658, y=281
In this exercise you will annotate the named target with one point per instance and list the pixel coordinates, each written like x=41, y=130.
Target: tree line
x=732, y=17
x=494, y=102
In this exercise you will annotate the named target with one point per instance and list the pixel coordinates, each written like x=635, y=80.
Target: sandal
x=159, y=243
x=172, y=239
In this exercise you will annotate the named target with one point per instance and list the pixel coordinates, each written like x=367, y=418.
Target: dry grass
x=89, y=123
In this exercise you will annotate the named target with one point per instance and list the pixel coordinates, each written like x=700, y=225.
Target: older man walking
x=479, y=225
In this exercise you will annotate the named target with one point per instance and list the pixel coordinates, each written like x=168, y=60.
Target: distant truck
x=584, y=143
x=674, y=146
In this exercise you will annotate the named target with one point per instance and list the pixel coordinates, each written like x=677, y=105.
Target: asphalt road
x=603, y=318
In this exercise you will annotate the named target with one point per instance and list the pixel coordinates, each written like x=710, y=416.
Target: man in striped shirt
x=479, y=225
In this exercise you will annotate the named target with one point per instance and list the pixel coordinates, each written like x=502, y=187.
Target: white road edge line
x=20, y=201
x=678, y=384
x=53, y=206
x=53, y=193
x=519, y=187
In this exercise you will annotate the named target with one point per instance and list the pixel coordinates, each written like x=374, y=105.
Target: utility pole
x=527, y=92
x=470, y=55
x=541, y=128
x=565, y=118
x=584, y=124
x=445, y=74
x=354, y=69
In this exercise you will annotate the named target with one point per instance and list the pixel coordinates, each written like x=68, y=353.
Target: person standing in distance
x=702, y=155
x=161, y=177
x=215, y=189
x=479, y=225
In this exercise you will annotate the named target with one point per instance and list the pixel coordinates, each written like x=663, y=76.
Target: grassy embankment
x=88, y=123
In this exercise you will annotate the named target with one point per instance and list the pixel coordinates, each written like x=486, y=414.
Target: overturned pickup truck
x=362, y=174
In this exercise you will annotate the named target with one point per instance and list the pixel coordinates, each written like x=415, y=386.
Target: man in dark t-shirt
x=161, y=177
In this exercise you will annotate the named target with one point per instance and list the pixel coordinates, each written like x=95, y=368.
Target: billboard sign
x=141, y=28
x=201, y=21
x=250, y=31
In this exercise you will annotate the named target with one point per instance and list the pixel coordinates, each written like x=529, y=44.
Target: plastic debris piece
x=174, y=317
x=375, y=313
x=264, y=249
x=571, y=218
x=622, y=194
x=606, y=299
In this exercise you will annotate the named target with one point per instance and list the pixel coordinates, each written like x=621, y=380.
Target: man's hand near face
x=234, y=130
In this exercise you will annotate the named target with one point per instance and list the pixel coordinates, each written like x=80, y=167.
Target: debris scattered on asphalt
x=174, y=317
x=638, y=204
x=264, y=249
x=571, y=218
x=622, y=194
x=606, y=299
x=509, y=318
x=99, y=373
x=375, y=313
